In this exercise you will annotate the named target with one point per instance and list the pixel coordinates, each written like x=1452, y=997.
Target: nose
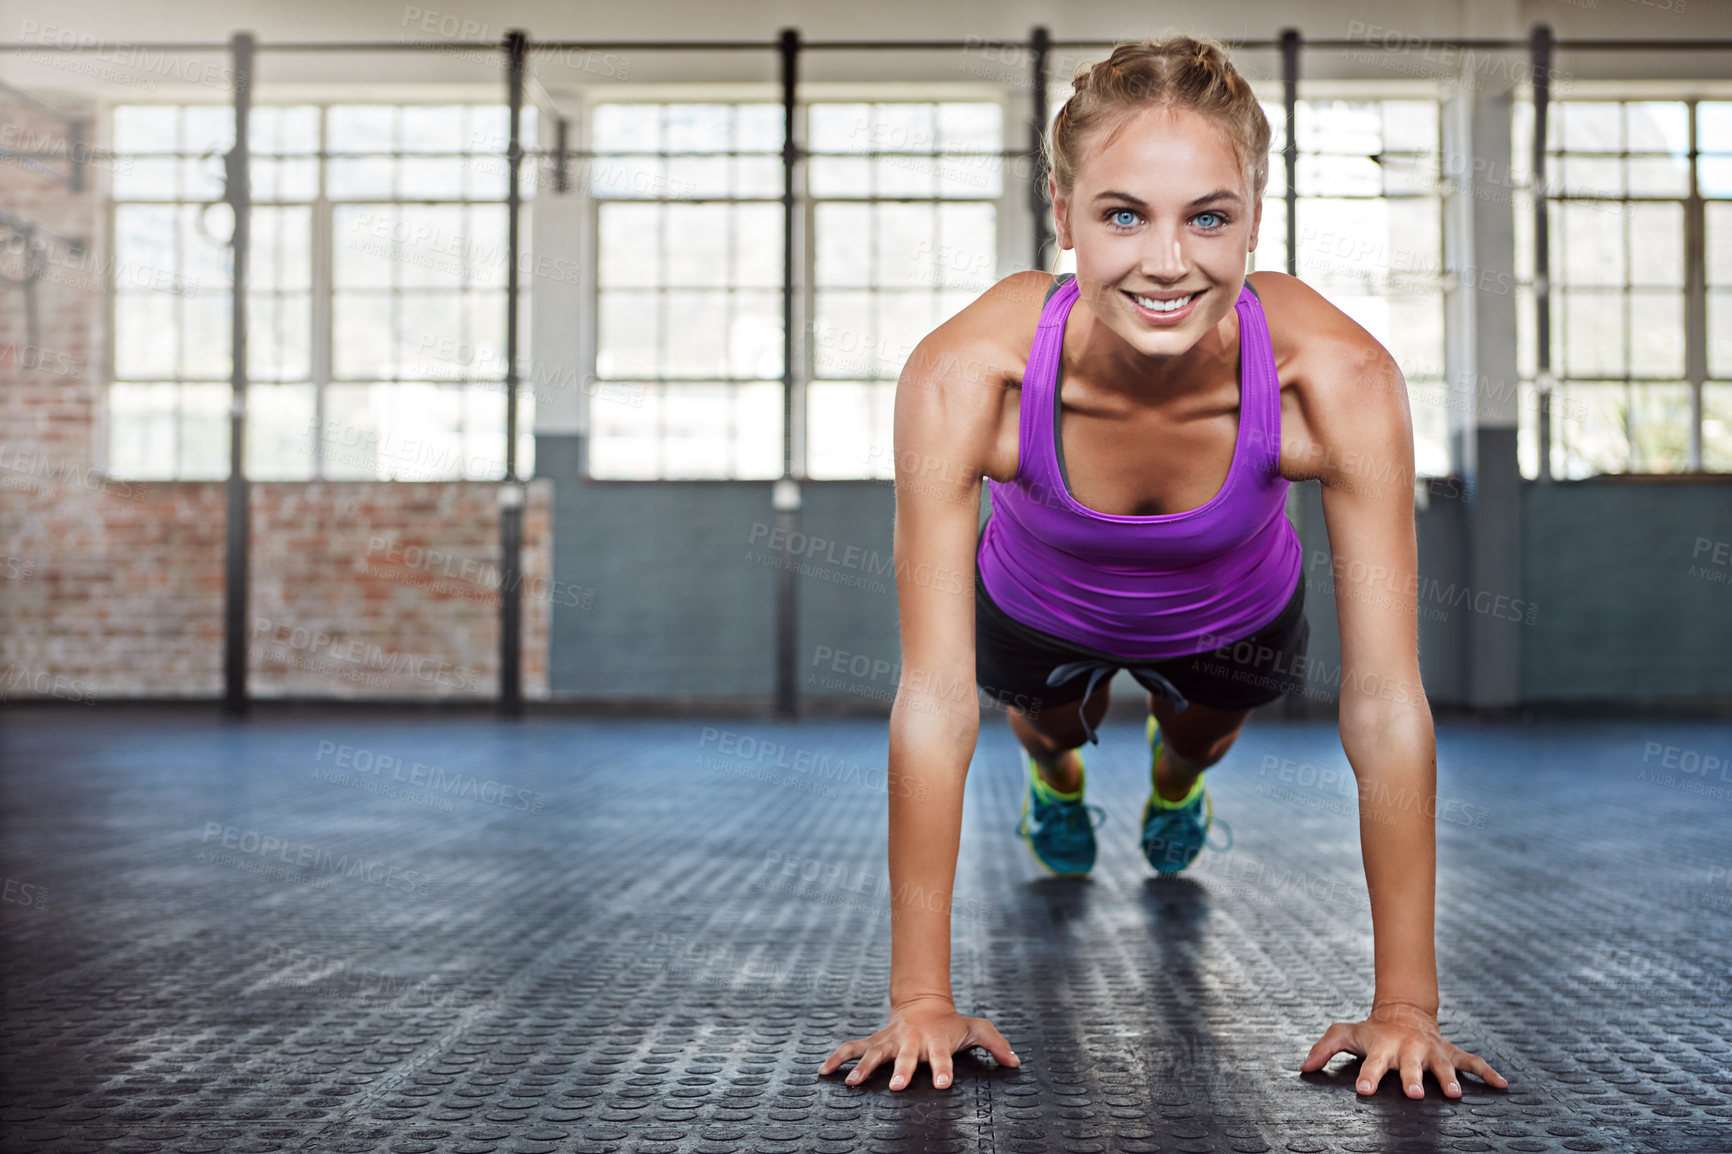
x=1164, y=254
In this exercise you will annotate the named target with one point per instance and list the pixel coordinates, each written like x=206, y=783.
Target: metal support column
x=1293, y=705
x=238, y=193
x=1290, y=154
x=1695, y=290
x=786, y=496
x=1540, y=48
x=511, y=493
x=1040, y=44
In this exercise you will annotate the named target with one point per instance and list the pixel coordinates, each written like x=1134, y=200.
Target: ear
x=1256, y=226
x=1060, y=213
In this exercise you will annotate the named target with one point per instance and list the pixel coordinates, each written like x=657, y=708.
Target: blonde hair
x=1183, y=72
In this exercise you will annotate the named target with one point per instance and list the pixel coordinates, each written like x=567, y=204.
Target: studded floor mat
x=424, y=932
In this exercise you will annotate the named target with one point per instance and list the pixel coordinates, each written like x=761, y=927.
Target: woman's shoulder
x=990, y=337
x=1310, y=336
x=1341, y=389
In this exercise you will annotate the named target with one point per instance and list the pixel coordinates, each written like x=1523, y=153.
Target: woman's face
x=1158, y=214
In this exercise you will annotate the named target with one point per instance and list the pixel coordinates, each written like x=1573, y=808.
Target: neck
x=1108, y=361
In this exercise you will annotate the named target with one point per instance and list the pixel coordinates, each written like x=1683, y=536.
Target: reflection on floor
x=427, y=932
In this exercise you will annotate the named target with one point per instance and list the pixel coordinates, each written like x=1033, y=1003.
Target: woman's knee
x=1062, y=724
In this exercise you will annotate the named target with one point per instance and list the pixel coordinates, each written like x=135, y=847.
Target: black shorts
x=1012, y=661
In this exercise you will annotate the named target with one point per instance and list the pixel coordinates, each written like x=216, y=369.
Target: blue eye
x=1217, y=217
x=1118, y=212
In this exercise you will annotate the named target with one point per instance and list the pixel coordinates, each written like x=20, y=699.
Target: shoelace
x=1146, y=676
x=1068, y=815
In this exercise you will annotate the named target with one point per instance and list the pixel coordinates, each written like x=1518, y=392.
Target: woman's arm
x=949, y=401
x=1355, y=436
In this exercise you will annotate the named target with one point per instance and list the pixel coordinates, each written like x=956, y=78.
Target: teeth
x=1163, y=306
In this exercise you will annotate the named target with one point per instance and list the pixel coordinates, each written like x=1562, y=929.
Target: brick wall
x=114, y=588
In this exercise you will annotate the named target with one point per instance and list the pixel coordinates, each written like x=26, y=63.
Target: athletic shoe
x=1174, y=832
x=1059, y=828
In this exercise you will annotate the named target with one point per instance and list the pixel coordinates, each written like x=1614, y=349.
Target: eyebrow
x=1206, y=198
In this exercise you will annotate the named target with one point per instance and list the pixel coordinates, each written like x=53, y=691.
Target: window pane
x=1717, y=426
x=204, y=431
x=758, y=430
x=1657, y=333
x=627, y=127
x=206, y=324
x=629, y=334
x=1593, y=335
x=1657, y=126
x=965, y=254
x=1656, y=244
x=278, y=417
x=1659, y=176
x=698, y=426
x=850, y=424
x=278, y=336
x=903, y=235
x=1720, y=332
x=758, y=245
x=361, y=128
x=145, y=338
x=360, y=178
x=1597, y=443
x=904, y=320
x=141, y=430
x=433, y=128
x=1659, y=428
x=365, y=255
x=843, y=244
x=1714, y=125
x=623, y=439
x=146, y=178
x=362, y=336
x=1714, y=173
x=697, y=128
x=147, y=128
x=1589, y=127
x=423, y=319
x=1592, y=175
x=1719, y=255
x=755, y=335
x=697, y=240
x=1588, y=245
x=696, y=334
x=631, y=176
x=631, y=244
x=282, y=244
x=845, y=334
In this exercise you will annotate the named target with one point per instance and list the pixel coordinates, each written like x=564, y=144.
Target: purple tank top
x=1149, y=587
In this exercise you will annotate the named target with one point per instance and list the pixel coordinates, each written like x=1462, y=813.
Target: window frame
x=321, y=292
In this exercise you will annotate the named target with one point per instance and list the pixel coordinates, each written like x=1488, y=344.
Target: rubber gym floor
x=431, y=931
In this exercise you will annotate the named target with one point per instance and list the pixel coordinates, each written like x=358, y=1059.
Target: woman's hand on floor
x=1404, y=1037
x=929, y=1030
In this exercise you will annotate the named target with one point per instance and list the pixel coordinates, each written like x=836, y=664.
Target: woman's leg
x=1054, y=732
x=1191, y=742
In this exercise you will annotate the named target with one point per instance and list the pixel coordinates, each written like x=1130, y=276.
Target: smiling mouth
x=1156, y=305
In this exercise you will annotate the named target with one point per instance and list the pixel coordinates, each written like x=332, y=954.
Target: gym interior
x=449, y=606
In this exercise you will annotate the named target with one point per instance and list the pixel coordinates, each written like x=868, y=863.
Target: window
x=905, y=241
x=689, y=292
x=1619, y=184
x=378, y=353
x=689, y=297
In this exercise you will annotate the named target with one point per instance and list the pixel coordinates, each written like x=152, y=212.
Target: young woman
x=1138, y=425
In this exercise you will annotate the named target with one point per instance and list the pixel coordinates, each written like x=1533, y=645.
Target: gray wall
x=1622, y=617
x=684, y=608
